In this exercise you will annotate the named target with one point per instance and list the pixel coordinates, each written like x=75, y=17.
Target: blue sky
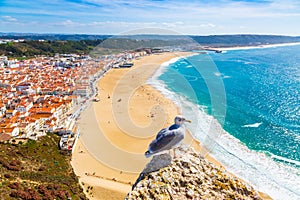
x=203, y=17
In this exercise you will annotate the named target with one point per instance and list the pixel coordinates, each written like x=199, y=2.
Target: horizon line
x=150, y=34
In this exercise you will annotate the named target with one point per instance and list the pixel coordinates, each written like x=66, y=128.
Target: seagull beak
x=189, y=121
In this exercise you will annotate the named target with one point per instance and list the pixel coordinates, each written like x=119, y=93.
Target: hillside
x=33, y=47
x=85, y=44
x=241, y=39
x=37, y=170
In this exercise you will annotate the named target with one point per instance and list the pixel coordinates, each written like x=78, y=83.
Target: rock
x=193, y=170
x=190, y=193
x=188, y=177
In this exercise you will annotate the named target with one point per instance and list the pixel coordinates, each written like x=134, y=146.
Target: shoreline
x=92, y=160
x=104, y=172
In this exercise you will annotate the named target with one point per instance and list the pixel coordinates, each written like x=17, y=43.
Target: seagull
x=168, y=138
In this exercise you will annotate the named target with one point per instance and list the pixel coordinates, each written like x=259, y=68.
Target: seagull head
x=179, y=120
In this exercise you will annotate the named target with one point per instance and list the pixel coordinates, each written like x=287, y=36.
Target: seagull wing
x=165, y=140
x=161, y=133
x=165, y=131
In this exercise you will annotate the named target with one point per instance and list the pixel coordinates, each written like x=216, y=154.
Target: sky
x=202, y=17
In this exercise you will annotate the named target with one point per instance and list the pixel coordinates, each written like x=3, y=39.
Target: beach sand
x=116, y=131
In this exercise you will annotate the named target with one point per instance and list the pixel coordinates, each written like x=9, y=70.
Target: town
x=47, y=94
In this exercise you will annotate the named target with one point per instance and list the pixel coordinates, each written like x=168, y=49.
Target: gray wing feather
x=161, y=133
x=165, y=140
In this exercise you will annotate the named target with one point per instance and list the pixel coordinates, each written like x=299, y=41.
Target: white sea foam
x=255, y=125
x=294, y=162
x=277, y=179
x=162, y=69
x=218, y=74
x=249, y=63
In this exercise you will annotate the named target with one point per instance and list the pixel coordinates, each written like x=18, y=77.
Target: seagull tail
x=148, y=154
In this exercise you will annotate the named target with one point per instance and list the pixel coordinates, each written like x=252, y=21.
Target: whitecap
x=297, y=163
x=217, y=74
x=255, y=125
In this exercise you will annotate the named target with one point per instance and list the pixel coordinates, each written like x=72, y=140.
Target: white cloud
x=67, y=23
x=9, y=19
x=286, y=5
x=124, y=27
x=193, y=17
x=208, y=25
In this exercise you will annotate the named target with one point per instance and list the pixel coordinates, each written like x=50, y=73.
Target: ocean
x=245, y=108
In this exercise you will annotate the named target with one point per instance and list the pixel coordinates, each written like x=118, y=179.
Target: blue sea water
x=245, y=105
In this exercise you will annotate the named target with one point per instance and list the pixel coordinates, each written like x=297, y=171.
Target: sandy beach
x=116, y=131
